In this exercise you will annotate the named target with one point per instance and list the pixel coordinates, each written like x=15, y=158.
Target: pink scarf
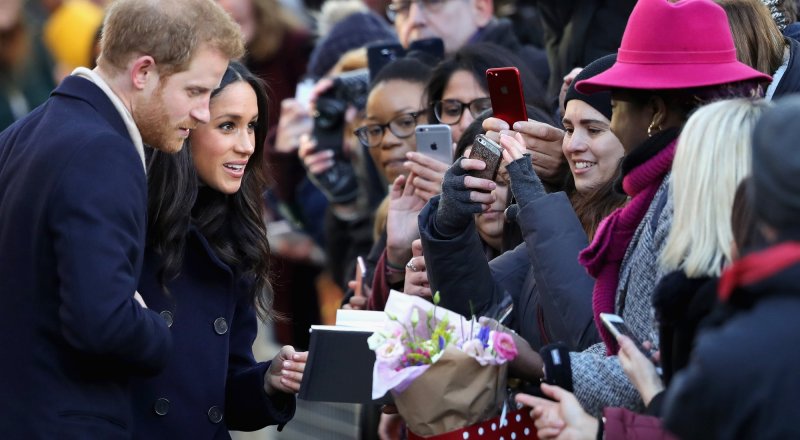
x=603, y=258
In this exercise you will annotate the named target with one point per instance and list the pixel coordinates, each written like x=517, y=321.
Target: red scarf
x=757, y=267
x=603, y=258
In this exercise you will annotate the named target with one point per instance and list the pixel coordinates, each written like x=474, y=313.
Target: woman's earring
x=653, y=129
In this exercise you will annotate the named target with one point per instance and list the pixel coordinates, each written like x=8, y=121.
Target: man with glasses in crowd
x=458, y=23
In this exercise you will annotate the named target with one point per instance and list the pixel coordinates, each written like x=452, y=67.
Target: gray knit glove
x=455, y=210
x=525, y=184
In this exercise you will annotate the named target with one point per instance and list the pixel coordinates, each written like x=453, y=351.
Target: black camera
x=339, y=182
x=348, y=89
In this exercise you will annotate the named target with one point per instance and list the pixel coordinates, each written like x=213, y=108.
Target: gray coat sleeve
x=599, y=381
x=554, y=237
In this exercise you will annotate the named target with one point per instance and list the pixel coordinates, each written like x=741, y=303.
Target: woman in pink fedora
x=674, y=57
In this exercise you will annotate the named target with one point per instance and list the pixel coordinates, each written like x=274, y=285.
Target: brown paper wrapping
x=453, y=393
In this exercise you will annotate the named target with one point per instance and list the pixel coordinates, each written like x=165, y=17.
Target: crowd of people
x=176, y=171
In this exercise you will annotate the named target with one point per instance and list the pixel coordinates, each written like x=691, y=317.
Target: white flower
x=376, y=340
x=473, y=348
x=390, y=352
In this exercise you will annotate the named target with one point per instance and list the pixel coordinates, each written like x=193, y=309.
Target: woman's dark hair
x=405, y=69
x=476, y=59
x=592, y=207
x=232, y=224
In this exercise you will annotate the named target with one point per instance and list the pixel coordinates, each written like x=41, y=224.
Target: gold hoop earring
x=652, y=129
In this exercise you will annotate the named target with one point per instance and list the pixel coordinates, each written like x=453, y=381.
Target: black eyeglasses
x=449, y=111
x=401, y=126
x=400, y=8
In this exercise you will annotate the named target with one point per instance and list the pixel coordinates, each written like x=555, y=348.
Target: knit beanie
x=776, y=10
x=601, y=101
x=353, y=32
x=69, y=33
x=775, y=192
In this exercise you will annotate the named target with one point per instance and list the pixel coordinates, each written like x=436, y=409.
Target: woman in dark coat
x=540, y=287
x=206, y=271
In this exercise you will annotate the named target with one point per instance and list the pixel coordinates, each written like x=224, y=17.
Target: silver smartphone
x=617, y=327
x=436, y=141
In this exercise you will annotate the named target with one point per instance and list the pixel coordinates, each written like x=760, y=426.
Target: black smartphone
x=433, y=47
x=436, y=141
x=382, y=53
x=490, y=153
x=505, y=92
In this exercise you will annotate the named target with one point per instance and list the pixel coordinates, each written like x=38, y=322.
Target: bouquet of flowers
x=446, y=372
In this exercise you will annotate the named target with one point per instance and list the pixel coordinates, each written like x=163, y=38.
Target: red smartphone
x=505, y=91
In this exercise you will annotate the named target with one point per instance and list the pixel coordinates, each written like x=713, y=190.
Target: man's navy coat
x=72, y=228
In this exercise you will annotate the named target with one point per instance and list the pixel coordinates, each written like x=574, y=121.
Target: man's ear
x=143, y=72
x=484, y=11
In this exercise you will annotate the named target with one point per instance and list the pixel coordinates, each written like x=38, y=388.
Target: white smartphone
x=617, y=327
x=436, y=141
x=302, y=92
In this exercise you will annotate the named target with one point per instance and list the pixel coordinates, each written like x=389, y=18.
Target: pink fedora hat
x=674, y=46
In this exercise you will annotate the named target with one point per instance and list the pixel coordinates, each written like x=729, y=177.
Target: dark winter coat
x=577, y=32
x=211, y=382
x=73, y=199
x=500, y=31
x=742, y=381
x=537, y=274
x=790, y=81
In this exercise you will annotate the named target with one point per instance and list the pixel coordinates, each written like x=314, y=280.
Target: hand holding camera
x=333, y=173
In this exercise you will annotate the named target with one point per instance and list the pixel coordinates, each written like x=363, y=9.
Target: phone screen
x=616, y=326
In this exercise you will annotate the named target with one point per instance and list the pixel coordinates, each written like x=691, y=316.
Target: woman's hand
x=542, y=140
x=316, y=162
x=562, y=419
x=429, y=173
x=463, y=196
x=294, y=122
x=416, y=281
x=639, y=369
x=285, y=373
x=525, y=183
x=401, y=222
x=390, y=427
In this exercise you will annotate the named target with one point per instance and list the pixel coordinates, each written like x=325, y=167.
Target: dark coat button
x=215, y=414
x=161, y=407
x=221, y=326
x=167, y=315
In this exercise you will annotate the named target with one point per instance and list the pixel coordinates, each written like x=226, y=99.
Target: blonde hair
x=273, y=21
x=711, y=158
x=169, y=31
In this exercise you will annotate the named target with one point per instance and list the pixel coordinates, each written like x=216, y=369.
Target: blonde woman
x=712, y=157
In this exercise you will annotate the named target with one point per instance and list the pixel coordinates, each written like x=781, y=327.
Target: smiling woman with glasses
x=402, y=126
x=458, y=84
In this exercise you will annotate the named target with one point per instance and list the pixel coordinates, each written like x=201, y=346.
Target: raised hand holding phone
x=490, y=153
x=640, y=369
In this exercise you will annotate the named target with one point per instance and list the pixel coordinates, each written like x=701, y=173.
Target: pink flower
x=503, y=344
